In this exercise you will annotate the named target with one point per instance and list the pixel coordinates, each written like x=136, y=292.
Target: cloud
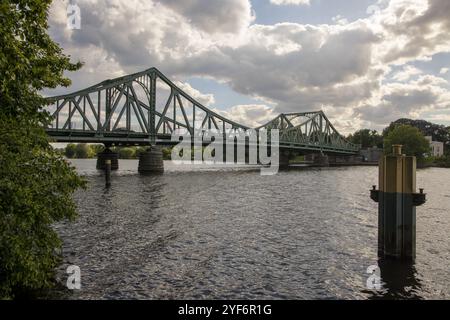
x=339, y=20
x=410, y=99
x=290, y=2
x=252, y=115
x=345, y=68
x=414, y=29
x=444, y=70
x=407, y=72
x=205, y=99
x=297, y=67
x=214, y=16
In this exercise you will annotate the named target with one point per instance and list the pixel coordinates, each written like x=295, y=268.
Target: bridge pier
x=284, y=159
x=151, y=161
x=318, y=159
x=107, y=154
x=344, y=160
x=321, y=160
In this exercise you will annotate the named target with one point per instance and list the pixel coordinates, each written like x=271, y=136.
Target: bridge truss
x=309, y=131
x=146, y=107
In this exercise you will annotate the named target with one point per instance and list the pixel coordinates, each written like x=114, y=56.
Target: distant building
x=437, y=148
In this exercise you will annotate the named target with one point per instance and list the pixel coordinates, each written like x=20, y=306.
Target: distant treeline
x=88, y=151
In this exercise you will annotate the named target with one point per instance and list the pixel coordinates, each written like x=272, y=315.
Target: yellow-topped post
x=397, y=199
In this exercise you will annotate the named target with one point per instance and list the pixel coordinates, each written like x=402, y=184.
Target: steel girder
x=146, y=107
x=126, y=107
x=311, y=131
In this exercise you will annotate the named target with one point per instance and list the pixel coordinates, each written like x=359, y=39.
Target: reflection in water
x=399, y=280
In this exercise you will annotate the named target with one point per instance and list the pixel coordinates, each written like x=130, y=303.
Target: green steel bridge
x=145, y=108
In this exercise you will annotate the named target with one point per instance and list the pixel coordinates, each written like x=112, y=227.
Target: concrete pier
x=321, y=160
x=318, y=159
x=107, y=154
x=397, y=200
x=151, y=161
x=284, y=159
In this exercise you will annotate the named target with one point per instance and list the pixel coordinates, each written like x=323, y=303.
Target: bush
x=167, y=153
x=70, y=150
x=443, y=161
x=82, y=151
x=126, y=153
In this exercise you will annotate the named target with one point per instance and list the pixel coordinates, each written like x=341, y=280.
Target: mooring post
x=397, y=200
x=108, y=154
x=108, y=173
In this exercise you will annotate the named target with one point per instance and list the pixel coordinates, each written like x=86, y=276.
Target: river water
x=202, y=233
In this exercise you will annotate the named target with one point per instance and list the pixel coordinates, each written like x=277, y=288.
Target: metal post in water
x=397, y=201
x=108, y=173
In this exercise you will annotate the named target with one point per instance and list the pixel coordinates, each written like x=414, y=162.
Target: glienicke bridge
x=147, y=108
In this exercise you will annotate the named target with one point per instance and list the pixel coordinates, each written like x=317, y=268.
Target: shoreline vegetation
x=86, y=151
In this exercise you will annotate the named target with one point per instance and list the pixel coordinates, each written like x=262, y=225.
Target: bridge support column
x=151, y=161
x=284, y=159
x=321, y=160
x=107, y=154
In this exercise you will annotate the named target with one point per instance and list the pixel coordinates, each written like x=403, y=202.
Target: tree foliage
x=70, y=150
x=366, y=138
x=436, y=131
x=36, y=183
x=82, y=151
x=413, y=141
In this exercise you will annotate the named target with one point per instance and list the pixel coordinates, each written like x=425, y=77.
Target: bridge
x=145, y=108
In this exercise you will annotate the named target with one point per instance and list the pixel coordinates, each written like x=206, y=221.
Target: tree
x=126, y=153
x=70, y=150
x=436, y=131
x=95, y=149
x=82, y=151
x=413, y=141
x=366, y=138
x=36, y=183
x=167, y=153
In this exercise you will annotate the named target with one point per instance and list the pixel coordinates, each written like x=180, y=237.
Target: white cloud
x=339, y=20
x=410, y=99
x=206, y=99
x=413, y=30
x=252, y=115
x=444, y=70
x=339, y=67
x=407, y=72
x=290, y=2
x=214, y=16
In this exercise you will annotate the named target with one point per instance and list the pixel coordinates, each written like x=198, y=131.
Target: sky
x=365, y=63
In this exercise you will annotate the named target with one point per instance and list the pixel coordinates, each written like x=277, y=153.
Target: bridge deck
x=139, y=139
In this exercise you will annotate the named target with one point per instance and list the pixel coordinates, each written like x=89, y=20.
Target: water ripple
x=234, y=234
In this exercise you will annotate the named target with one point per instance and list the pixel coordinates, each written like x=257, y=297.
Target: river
x=201, y=233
